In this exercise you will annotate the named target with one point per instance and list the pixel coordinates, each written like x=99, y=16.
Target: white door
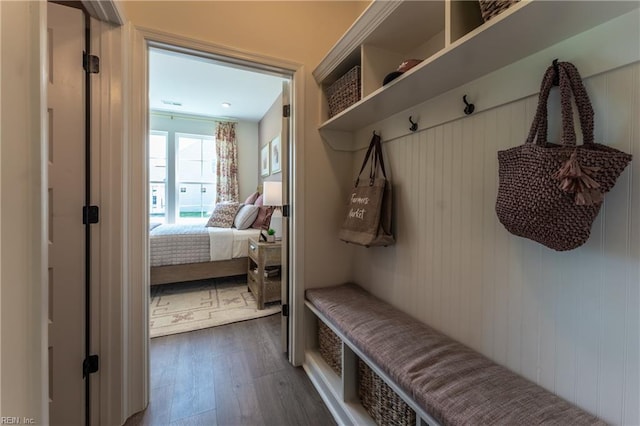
x=66, y=199
x=284, y=152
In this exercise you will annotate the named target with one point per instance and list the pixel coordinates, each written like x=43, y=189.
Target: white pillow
x=246, y=216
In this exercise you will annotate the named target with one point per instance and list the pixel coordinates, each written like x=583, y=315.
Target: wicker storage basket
x=491, y=8
x=330, y=347
x=380, y=401
x=344, y=92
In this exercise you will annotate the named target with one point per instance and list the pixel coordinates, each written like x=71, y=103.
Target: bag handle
x=377, y=160
x=372, y=145
x=374, y=153
x=569, y=81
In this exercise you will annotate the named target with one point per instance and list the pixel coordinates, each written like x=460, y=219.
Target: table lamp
x=273, y=197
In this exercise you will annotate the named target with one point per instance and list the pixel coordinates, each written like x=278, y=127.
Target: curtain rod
x=173, y=115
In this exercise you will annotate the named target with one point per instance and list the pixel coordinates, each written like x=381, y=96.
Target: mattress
x=176, y=244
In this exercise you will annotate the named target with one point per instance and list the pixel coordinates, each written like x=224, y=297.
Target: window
x=157, y=175
x=192, y=177
x=196, y=176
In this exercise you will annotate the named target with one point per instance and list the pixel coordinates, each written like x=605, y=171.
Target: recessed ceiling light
x=173, y=103
x=226, y=104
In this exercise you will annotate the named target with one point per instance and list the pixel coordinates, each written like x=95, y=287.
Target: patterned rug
x=194, y=305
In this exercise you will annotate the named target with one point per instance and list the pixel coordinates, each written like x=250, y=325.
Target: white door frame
x=137, y=41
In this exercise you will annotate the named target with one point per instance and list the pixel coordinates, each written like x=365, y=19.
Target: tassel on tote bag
x=552, y=193
x=368, y=221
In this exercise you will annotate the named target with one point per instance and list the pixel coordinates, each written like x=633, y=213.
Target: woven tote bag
x=552, y=193
x=368, y=221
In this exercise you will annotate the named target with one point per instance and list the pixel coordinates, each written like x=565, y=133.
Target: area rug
x=194, y=305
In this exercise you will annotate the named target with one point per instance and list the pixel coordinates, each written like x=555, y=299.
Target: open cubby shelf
x=340, y=392
x=456, y=47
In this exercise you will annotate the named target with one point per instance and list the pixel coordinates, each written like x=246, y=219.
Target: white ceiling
x=202, y=85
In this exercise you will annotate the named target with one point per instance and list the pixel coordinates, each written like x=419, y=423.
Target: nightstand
x=264, y=274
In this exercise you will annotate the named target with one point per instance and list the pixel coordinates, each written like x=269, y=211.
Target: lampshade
x=272, y=193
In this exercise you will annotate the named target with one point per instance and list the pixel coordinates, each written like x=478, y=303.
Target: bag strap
x=372, y=146
x=569, y=81
x=379, y=158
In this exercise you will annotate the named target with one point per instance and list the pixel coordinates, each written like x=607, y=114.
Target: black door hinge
x=285, y=310
x=286, y=111
x=90, y=365
x=90, y=63
x=90, y=214
x=286, y=211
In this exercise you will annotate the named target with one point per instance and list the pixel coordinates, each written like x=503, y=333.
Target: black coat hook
x=556, y=75
x=469, y=107
x=414, y=126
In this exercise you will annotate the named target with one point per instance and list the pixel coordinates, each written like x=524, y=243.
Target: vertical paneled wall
x=568, y=321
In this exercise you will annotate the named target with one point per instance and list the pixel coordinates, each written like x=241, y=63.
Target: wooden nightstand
x=264, y=274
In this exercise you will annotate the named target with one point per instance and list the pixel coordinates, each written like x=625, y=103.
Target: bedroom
x=210, y=122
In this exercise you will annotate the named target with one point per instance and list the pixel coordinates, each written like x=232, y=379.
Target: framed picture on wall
x=275, y=155
x=264, y=161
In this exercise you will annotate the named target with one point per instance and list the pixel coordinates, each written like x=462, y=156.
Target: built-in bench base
x=444, y=381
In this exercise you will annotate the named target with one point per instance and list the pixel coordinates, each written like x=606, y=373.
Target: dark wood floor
x=229, y=375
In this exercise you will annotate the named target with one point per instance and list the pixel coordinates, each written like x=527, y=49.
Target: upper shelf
x=518, y=32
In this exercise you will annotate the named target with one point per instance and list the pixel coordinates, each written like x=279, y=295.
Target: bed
x=186, y=252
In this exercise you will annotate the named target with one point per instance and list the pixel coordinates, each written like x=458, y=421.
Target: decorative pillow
x=259, y=201
x=246, y=216
x=223, y=215
x=252, y=198
x=264, y=218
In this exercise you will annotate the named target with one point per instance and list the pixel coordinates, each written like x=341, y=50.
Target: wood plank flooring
x=229, y=375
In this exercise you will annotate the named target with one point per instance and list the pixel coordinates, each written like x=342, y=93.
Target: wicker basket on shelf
x=380, y=401
x=491, y=8
x=330, y=347
x=344, y=92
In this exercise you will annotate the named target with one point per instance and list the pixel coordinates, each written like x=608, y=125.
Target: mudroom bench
x=438, y=380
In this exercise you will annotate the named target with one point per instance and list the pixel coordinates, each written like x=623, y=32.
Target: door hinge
x=90, y=365
x=285, y=310
x=286, y=111
x=90, y=63
x=286, y=211
x=90, y=214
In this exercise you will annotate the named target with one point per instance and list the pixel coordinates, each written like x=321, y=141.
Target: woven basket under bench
x=383, y=405
x=330, y=347
x=380, y=401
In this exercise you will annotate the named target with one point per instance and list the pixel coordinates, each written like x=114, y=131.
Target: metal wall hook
x=414, y=126
x=469, y=108
x=556, y=75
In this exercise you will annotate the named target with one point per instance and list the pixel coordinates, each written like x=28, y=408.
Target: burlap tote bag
x=552, y=193
x=368, y=221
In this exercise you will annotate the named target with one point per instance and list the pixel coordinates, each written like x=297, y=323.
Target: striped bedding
x=176, y=244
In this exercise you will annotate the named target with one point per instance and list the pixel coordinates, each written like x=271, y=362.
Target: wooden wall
x=568, y=321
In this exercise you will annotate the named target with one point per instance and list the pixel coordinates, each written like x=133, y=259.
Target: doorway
x=209, y=114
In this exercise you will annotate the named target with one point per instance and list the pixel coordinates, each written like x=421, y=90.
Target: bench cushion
x=450, y=381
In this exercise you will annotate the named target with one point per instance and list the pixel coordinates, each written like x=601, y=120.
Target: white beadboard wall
x=569, y=321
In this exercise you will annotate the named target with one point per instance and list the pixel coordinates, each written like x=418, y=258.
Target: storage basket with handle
x=551, y=193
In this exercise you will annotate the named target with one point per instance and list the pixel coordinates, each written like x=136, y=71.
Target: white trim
x=369, y=20
x=107, y=177
x=135, y=257
x=135, y=189
x=105, y=10
x=296, y=240
x=24, y=274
